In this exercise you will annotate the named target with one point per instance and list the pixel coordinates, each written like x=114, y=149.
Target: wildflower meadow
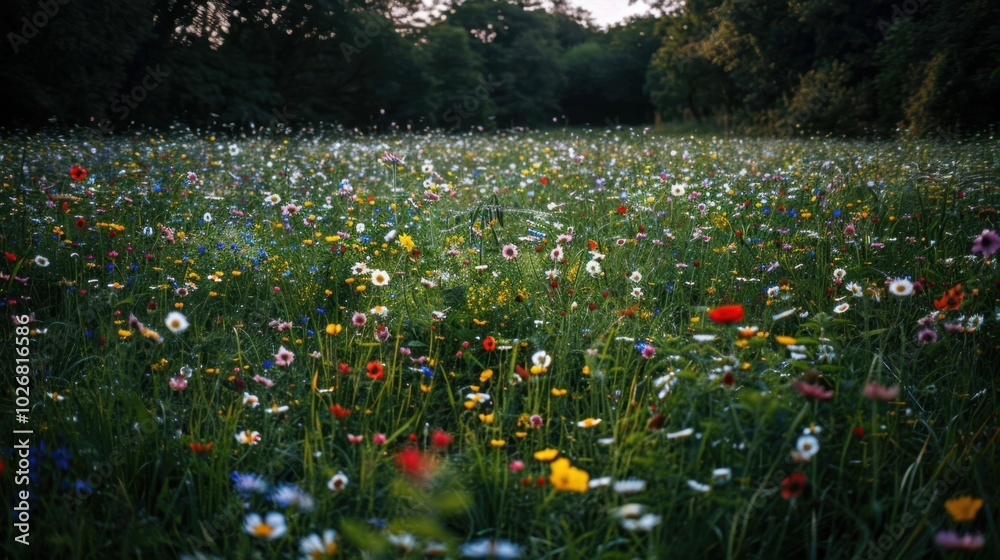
x=604, y=343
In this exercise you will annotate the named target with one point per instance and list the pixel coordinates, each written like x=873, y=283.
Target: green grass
x=761, y=223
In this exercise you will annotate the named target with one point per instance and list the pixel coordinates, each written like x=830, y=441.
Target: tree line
x=772, y=66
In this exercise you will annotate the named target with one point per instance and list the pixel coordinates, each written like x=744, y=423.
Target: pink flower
x=509, y=252
x=284, y=357
x=951, y=540
x=263, y=380
x=536, y=421
x=378, y=439
x=877, y=392
x=648, y=352
x=359, y=319
x=355, y=439
x=516, y=466
x=178, y=383
x=813, y=392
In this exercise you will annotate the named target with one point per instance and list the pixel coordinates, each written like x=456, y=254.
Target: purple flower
x=987, y=243
x=951, y=540
x=927, y=336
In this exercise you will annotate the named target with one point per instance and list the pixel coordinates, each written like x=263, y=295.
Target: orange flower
x=375, y=370
x=963, y=508
x=951, y=300
x=489, y=344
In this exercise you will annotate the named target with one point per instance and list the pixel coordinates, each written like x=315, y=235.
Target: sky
x=610, y=11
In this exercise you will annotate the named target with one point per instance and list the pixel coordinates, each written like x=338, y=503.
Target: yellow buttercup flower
x=486, y=418
x=546, y=455
x=568, y=478
x=485, y=376
x=785, y=340
x=964, y=508
x=498, y=442
x=333, y=329
x=558, y=392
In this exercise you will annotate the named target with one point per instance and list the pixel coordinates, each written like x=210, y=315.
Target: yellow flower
x=498, y=442
x=963, y=508
x=785, y=340
x=333, y=329
x=558, y=392
x=546, y=455
x=469, y=405
x=486, y=418
x=124, y=333
x=568, y=478
x=485, y=376
x=521, y=435
x=406, y=241
x=586, y=370
x=589, y=422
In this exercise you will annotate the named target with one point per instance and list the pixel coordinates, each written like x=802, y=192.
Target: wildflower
x=200, y=448
x=593, y=268
x=509, y=252
x=487, y=548
x=270, y=528
x=338, y=482
x=248, y=437
x=314, y=547
x=272, y=200
x=678, y=189
x=176, y=322
x=441, y=439
x=41, y=261
x=793, y=485
x=556, y=254
x=841, y=308
x=644, y=524
x=588, y=422
x=987, y=243
x=516, y=466
x=263, y=380
x=813, y=392
x=685, y=433
x=727, y=314
x=963, y=508
x=807, y=447
x=375, y=370
x=291, y=495
x=333, y=329
x=283, y=357
x=78, y=173
x=855, y=289
x=952, y=540
x=636, y=276
x=722, y=475
x=359, y=319
x=785, y=340
x=541, y=362
x=546, y=455
x=629, y=486
x=489, y=344
x=178, y=383
x=839, y=274
x=406, y=241
x=783, y=315
x=536, y=421
x=339, y=412
x=951, y=300
x=927, y=335
x=498, y=443
x=877, y=392
x=698, y=487
x=246, y=484
x=404, y=543
x=275, y=409
x=252, y=400
x=974, y=323
x=355, y=439
x=900, y=287
x=379, y=277
x=568, y=478
x=416, y=465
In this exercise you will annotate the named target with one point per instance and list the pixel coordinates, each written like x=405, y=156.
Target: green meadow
x=580, y=343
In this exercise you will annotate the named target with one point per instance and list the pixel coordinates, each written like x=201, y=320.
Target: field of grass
x=568, y=344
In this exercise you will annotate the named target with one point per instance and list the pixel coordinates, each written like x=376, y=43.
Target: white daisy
x=176, y=322
x=270, y=528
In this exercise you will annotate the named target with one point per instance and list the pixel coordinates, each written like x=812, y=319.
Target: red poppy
x=727, y=314
x=80, y=223
x=544, y=180
x=522, y=372
x=375, y=370
x=415, y=464
x=201, y=448
x=441, y=439
x=622, y=209
x=859, y=432
x=951, y=300
x=343, y=368
x=11, y=257
x=339, y=412
x=592, y=244
x=489, y=344
x=793, y=485
x=78, y=173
